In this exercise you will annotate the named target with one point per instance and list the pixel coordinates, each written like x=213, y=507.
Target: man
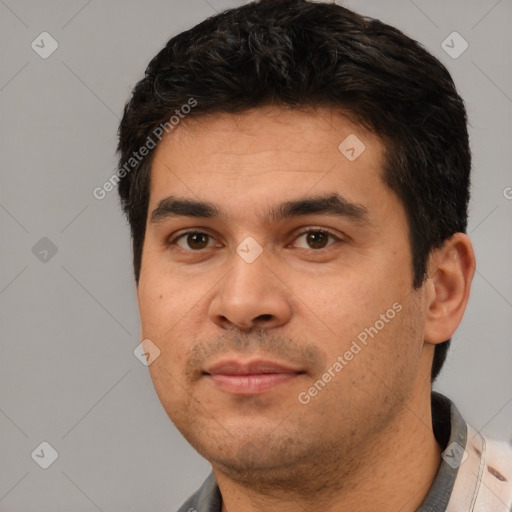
x=296, y=178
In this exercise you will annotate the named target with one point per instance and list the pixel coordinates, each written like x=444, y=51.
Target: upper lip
x=255, y=366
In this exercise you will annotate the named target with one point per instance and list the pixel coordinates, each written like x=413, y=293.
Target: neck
x=393, y=471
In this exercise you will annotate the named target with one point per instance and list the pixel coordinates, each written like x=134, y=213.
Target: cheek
x=380, y=363
x=379, y=320
x=164, y=300
x=350, y=303
x=153, y=302
x=169, y=310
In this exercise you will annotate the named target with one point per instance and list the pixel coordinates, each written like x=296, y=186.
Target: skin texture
x=364, y=442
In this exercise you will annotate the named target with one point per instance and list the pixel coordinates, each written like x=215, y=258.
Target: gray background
x=69, y=320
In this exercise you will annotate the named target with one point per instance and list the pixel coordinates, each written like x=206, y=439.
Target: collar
x=450, y=431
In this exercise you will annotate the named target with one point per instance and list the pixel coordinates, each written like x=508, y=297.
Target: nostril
x=264, y=317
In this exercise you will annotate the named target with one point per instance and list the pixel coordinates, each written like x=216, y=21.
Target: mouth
x=250, y=377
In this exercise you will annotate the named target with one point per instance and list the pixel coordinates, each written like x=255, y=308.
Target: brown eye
x=315, y=239
x=193, y=240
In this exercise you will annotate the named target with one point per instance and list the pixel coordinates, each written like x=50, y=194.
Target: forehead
x=268, y=153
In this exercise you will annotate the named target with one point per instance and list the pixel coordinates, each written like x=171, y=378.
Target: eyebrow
x=331, y=204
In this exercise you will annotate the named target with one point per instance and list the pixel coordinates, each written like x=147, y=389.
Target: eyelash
x=305, y=232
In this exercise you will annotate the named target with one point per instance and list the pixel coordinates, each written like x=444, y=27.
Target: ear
x=450, y=272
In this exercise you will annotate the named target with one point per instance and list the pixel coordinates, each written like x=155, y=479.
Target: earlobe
x=450, y=272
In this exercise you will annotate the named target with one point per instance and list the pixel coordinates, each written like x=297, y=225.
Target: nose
x=251, y=295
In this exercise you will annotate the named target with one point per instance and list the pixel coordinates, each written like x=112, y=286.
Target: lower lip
x=250, y=384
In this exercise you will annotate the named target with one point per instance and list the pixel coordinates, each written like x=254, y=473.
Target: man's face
x=251, y=312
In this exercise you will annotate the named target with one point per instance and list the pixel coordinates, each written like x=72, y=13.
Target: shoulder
x=497, y=474
x=484, y=479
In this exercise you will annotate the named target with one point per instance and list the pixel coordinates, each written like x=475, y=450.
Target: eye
x=193, y=240
x=316, y=239
x=313, y=239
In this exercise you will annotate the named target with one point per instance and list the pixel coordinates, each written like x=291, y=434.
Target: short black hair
x=296, y=54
